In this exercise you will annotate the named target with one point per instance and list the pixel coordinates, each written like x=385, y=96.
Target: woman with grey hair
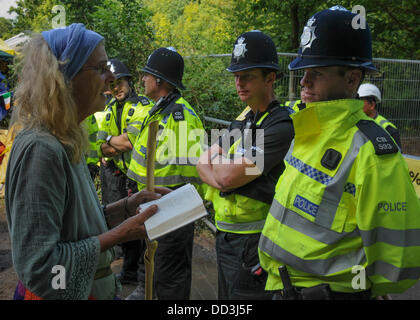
x=61, y=242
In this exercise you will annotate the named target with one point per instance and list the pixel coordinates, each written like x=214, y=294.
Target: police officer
x=91, y=155
x=243, y=167
x=118, y=128
x=344, y=220
x=371, y=96
x=174, y=167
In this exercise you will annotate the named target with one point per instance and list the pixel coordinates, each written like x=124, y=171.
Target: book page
x=175, y=209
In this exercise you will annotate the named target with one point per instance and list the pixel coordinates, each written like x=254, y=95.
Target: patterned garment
x=54, y=215
x=21, y=293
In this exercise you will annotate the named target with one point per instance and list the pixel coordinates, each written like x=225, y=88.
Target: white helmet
x=369, y=90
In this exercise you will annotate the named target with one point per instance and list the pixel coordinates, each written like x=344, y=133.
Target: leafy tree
x=124, y=24
x=6, y=28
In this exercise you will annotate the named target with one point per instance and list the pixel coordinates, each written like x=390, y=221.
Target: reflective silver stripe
x=92, y=137
x=382, y=122
x=321, y=267
x=334, y=190
x=135, y=122
x=138, y=157
x=400, y=238
x=133, y=130
x=165, y=181
x=101, y=135
x=292, y=103
x=131, y=174
x=392, y=272
x=290, y=151
x=180, y=161
x=295, y=221
x=243, y=226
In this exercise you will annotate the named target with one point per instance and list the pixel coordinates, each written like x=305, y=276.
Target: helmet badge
x=111, y=66
x=308, y=34
x=240, y=49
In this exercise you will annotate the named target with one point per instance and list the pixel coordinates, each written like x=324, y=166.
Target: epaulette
x=110, y=104
x=178, y=112
x=381, y=140
x=144, y=101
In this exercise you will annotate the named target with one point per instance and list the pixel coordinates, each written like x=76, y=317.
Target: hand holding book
x=175, y=210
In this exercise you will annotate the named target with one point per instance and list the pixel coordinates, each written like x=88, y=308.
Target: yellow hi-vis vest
x=293, y=105
x=384, y=122
x=179, y=146
x=236, y=213
x=134, y=111
x=345, y=212
x=92, y=129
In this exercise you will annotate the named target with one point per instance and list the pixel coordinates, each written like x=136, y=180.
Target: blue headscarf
x=73, y=44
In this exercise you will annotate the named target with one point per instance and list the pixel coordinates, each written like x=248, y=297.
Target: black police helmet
x=253, y=49
x=332, y=38
x=167, y=64
x=118, y=68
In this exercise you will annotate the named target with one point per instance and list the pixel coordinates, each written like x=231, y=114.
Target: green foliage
x=134, y=28
x=6, y=28
x=210, y=88
x=192, y=27
x=124, y=25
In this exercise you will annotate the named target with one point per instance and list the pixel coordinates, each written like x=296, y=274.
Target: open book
x=175, y=210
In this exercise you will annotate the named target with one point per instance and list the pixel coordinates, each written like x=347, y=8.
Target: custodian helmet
x=332, y=37
x=253, y=49
x=118, y=68
x=167, y=64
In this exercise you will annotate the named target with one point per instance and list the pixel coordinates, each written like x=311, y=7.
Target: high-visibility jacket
x=343, y=206
x=383, y=122
x=179, y=145
x=245, y=209
x=134, y=111
x=92, y=129
x=294, y=105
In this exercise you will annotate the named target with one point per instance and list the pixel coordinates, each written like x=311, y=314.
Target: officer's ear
x=354, y=77
x=270, y=77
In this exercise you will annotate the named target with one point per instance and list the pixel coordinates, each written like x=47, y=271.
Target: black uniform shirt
x=267, y=154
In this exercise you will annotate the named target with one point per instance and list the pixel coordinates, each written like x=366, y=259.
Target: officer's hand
x=109, y=151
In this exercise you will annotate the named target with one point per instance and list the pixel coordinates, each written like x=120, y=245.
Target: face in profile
x=324, y=84
x=150, y=85
x=91, y=82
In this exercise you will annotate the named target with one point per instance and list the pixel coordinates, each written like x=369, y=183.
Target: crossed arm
x=224, y=173
x=117, y=145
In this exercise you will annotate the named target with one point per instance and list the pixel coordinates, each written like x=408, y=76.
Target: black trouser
x=322, y=292
x=173, y=265
x=114, y=188
x=237, y=254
